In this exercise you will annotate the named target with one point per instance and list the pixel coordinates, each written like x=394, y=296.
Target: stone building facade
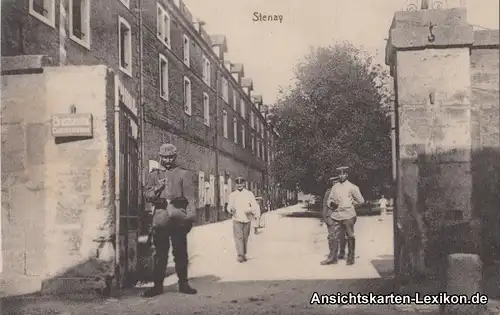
x=170, y=82
x=446, y=76
x=190, y=95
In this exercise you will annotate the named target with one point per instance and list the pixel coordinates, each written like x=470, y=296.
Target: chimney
x=227, y=64
x=237, y=71
x=198, y=25
x=219, y=45
x=247, y=85
x=257, y=100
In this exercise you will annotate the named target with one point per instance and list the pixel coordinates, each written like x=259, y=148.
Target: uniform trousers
x=241, y=232
x=337, y=230
x=174, y=231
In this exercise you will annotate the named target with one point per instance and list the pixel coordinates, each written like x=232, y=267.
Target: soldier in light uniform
x=242, y=207
x=341, y=216
x=170, y=190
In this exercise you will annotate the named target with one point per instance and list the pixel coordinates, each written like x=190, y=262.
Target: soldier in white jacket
x=243, y=207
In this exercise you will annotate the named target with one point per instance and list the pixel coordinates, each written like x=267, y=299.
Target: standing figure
x=341, y=201
x=383, y=205
x=243, y=207
x=170, y=190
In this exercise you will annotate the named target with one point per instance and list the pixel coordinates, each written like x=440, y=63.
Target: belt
x=161, y=203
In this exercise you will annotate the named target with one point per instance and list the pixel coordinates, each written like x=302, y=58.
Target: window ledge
x=164, y=97
x=187, y=113
x=126, y=71
x=163, y=42
x=51, y=23
x=84, y=43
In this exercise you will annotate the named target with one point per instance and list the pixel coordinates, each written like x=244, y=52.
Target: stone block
x=463, y=276
x=441, y=72
x=405, y=19
x=486, y=38
x=443, y=36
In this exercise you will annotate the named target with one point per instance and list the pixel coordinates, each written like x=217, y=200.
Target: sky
x=270, y=50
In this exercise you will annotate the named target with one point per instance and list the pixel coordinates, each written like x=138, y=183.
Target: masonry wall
x=448, y=142
x=58, y=196
x=165, y=117
x=486, y=146
x=24, y=34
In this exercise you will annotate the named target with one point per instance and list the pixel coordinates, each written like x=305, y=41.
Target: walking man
x=243, y=207
x=169, y=189
x=341, y=216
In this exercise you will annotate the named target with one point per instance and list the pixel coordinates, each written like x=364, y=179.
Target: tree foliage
x=335, y=114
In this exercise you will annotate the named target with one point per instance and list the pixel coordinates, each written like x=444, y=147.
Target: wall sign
x=72, y=125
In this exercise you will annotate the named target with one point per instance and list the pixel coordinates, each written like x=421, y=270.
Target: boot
x=185, y=288
x=332, y=258
x=157, y=289
x=351, y=244
x=342, y=248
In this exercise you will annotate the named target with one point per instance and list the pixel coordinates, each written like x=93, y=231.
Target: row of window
x=163, y=28
x=79, y=26
x=206, y=189
x=78, y=17
x=79, y=21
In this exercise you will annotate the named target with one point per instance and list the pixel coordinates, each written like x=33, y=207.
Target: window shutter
x=211, y=190
x=229, y=188
x=221, y=190
x=201, y=189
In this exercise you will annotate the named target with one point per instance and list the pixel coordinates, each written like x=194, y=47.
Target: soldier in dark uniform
x=170, y=190
x=328, y=221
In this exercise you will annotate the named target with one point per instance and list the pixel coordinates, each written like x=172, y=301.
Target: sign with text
x=72, y=125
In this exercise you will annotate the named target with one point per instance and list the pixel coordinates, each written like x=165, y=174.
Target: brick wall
x=25, y=34
x=166, y=120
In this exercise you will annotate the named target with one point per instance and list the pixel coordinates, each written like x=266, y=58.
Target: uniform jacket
x=244, y=205
x=326, y=211
x=345, y=195
x=178, y=190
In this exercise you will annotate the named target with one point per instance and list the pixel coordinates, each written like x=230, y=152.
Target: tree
x=335, y=114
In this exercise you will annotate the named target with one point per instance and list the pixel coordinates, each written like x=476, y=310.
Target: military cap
x=168, y=149
x=239, y=180
x=342, y=168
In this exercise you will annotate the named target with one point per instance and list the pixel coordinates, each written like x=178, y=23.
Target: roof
x=257, y=99
x=247, y=82
x=237, y=67
x=219, y=40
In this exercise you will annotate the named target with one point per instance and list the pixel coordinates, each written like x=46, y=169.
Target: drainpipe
x=216, y=144
x=118, y=272
x=142, y=119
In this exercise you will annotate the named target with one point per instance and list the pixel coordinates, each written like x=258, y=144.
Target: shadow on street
x=261, y=297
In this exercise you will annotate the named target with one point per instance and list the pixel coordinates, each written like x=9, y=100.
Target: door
x=129, y=196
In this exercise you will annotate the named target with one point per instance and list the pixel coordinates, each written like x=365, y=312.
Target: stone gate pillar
x=428, y=52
